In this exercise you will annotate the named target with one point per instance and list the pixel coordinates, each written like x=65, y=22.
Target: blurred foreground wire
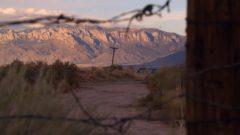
x=138, y=15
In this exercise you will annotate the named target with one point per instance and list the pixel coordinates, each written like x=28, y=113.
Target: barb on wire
x=147, y=11
x=119, y=124
x=138, y=14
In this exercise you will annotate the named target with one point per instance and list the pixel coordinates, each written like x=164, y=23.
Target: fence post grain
x=213, y=40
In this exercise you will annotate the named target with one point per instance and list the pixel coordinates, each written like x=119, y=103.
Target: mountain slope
x=172, y=59
x=87, y=45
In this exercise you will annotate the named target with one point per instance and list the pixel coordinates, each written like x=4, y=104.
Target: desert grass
x=38, y=89
x=165, y=88
x=112, y=73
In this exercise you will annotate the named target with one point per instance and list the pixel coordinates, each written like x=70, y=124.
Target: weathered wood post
x=113, y=54
x=213, y=69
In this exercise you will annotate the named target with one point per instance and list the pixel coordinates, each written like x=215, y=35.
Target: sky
x=101, y=9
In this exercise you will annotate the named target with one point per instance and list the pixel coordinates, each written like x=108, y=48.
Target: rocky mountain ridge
x=87, y=45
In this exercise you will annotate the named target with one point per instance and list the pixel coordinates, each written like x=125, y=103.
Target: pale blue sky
x=173, y=22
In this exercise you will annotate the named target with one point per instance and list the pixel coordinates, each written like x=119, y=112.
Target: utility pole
x=213, y=67
x=113, y=54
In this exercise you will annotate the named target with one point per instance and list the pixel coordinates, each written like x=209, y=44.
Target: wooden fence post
x=213, y=67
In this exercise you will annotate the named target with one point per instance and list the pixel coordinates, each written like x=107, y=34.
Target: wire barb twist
x=138, y=14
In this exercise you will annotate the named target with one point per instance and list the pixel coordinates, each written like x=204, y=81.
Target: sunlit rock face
x=87, y=45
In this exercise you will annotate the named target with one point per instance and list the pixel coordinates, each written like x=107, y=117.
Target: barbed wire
x=119, y=124
x=123, y=124
x=212, y=68
x=138, y=14
x=197, y=74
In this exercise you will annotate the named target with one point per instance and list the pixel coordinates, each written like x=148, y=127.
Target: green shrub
x=67, y=72
x=165, y=84
x=165, y=79
x=116, y=67
x=54, y=74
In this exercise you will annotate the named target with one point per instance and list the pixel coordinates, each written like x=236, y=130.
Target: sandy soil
x=119, y=99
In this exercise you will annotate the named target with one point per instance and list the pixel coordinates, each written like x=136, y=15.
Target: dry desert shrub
x=37, y=89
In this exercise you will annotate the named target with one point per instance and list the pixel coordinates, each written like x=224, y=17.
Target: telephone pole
x=113, y=54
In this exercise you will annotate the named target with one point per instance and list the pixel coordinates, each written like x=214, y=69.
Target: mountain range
x=177, y=58
x=88, y=45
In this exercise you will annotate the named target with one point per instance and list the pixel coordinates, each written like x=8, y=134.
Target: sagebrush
x=39, y=89
x=166, y=83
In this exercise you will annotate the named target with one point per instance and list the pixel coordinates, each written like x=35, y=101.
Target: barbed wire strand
x=213, y=68
x=119, y=124
x=138, y=14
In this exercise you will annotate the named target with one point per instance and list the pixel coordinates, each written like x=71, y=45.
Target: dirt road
x=119, y=99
